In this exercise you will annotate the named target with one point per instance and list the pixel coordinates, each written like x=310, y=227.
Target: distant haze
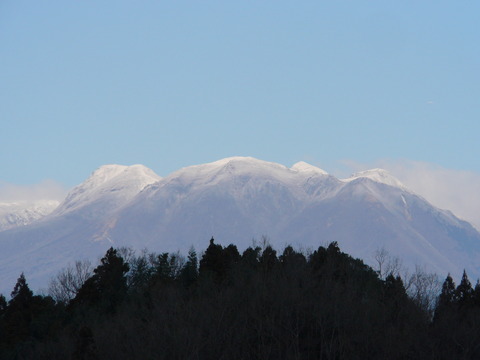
x=45, y=190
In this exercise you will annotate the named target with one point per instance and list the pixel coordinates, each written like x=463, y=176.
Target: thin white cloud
x=454, y=190
x=46, y=190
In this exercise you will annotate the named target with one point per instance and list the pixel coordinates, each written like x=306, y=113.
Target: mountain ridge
x=14, y=214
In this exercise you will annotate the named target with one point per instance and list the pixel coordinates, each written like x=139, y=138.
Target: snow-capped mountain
x=106, y=190
x=74, y=230
x=15, y=214
x=240, y=199
x=236, y=200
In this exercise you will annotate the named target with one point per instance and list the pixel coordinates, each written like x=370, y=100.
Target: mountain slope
x=74, y=230
x=107, y=189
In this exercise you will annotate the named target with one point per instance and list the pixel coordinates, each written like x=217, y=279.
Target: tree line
x=256, y=305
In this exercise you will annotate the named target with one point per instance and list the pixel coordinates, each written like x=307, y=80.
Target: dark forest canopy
x=261, y=304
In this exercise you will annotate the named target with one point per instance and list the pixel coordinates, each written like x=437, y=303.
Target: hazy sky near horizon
x=173, y=84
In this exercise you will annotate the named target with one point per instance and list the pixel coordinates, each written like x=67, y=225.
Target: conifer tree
x=163, y=268
x=189, y=272
x=141, y=272
x=3, y=304
x=21, y=292
x=213, y=261
x=447, y=299
x=394, y=287
x=292, y=258
x=18, y=314
x=333, y=248
x=232, y=255
x=448, y=295
x=250, y=256
x=318, y=258
x=476, y=294
x=108, y=284
x=395, y=295
x=268, y=259
x=464, y=291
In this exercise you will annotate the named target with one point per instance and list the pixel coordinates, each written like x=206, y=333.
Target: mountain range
x=236, y=200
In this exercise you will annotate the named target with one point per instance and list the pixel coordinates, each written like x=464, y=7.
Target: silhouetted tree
x=258, y=306
x=213, y=262
x=66, y=284
x=250, y=256
x=447, y=296
x=268, y=259
x=317, y=259
x=232, y=256
x=19, y=312
x=290, y=258
x=464, y=292
x=394, y=288
x=107, y=286
x=21, y=293
x=476, y=294
x=141, y=272
x=3, y=304
x=168, y=267
x=189, y=272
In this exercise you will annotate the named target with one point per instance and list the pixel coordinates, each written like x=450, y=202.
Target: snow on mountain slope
x=365, y=215
x=109, y=188
x=15, y=214
x=240, y=168
x=231, y=196
x=302, y=166
x=236, y=200
x=377, y=175
x=74, y=230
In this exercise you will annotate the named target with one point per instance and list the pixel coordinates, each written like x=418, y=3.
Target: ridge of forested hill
x=256, y=305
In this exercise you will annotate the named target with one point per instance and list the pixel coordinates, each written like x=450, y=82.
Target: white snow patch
x=378, y=175
x=23, y=213
x=302, y=166
x=117, y=183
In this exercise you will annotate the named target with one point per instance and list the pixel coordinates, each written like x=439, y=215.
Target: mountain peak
x=119, y=182
x=107, y=172
x=246, y=164
x=226, y=167
x=378, y=175
x=302, y=166
x=236, y=159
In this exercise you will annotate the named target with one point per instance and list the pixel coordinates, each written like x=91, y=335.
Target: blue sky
x=171, y=84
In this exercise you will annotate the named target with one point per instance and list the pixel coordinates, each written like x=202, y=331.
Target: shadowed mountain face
x=237, y=200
